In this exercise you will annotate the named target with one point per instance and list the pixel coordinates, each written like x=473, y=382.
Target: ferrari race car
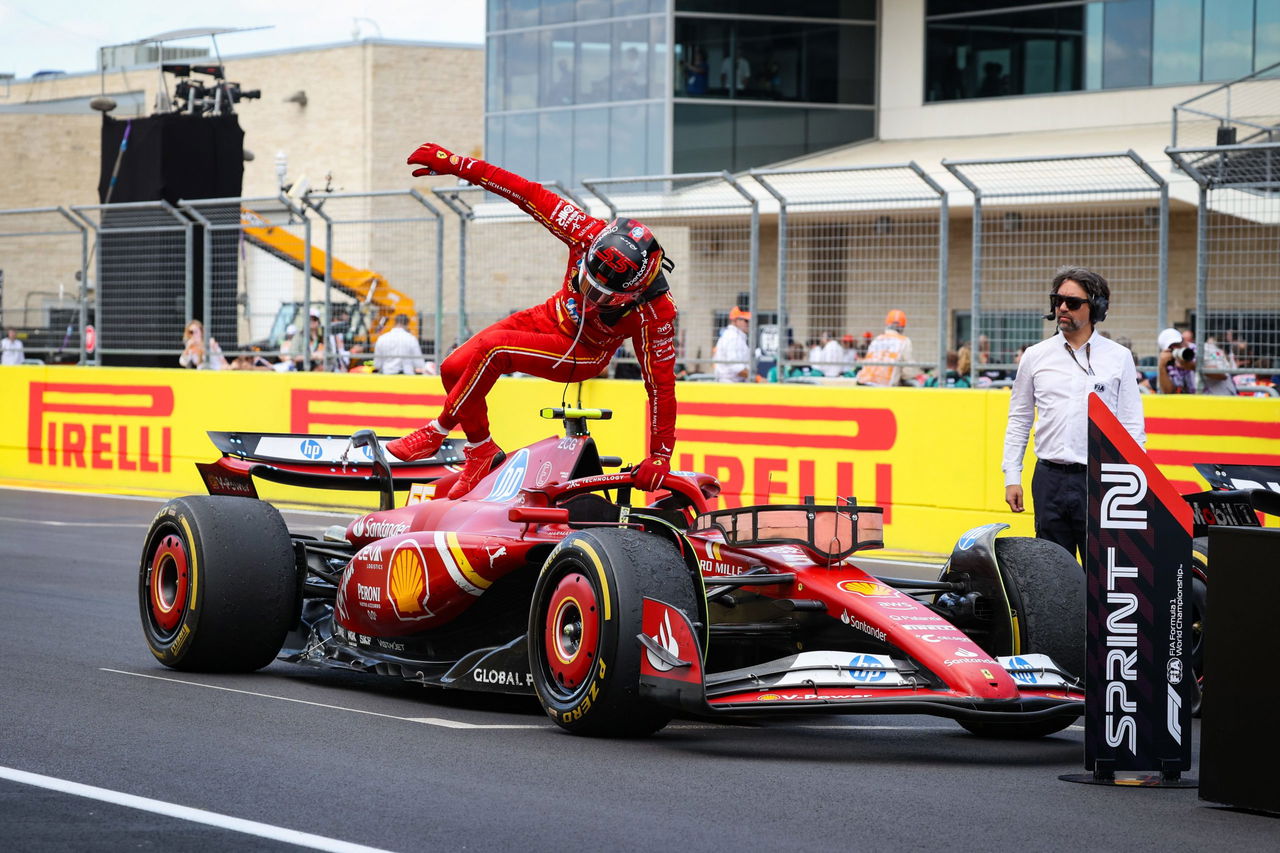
x=548, y=579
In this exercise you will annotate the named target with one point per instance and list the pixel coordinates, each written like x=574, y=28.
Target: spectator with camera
x=1176, y=366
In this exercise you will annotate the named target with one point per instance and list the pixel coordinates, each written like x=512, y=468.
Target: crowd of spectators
x=882, y=360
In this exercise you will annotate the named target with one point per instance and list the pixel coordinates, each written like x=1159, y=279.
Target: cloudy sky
x=64, y=35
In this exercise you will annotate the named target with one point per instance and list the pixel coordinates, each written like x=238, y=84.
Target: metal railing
x=1240, y=111
x=1032, y=215
x=807, y=251
x=1237, y=256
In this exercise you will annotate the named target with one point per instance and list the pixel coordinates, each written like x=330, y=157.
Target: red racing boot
x=479, y=460
x=418, y=444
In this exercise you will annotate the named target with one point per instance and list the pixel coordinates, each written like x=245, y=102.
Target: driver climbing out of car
x=614, y=289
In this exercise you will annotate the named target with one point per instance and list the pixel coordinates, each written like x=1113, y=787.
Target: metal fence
x=44, y=254
x=1237, y=254
x=383, y=258
x=808, y=252
x=1107, y=212
x=709, y=224
x=252, y=270
x=505, y=261
x=853, y=244
x=143, y=278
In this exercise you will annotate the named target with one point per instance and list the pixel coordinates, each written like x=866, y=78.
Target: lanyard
x=1087, y=358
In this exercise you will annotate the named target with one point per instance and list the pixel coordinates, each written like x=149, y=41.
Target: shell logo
x=866, y=588
x=768, y=697
x=407, y=583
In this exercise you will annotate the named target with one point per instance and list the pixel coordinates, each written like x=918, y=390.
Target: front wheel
x=217, y=585
x=583, y=624
x=1047, y=594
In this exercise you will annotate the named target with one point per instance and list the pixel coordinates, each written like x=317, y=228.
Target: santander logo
x=665, y=638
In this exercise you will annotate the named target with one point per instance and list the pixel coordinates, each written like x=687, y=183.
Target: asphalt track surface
x=292, y=758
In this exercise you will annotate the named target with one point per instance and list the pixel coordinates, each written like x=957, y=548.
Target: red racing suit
x=540, y=340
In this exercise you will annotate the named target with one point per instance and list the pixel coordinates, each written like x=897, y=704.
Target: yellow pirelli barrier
x=931, y=457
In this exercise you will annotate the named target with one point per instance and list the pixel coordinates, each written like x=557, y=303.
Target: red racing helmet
x=623, y=261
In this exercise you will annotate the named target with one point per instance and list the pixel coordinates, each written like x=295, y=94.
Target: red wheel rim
x=572, y=631
x=168, y=583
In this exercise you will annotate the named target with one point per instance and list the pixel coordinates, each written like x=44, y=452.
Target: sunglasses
x=1073, y=303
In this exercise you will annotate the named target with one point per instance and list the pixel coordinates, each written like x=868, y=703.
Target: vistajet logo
x=100, y=426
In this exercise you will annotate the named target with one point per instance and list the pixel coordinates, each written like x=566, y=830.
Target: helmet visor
x=596, y=292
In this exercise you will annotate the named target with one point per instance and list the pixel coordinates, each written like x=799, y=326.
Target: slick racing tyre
x=583, y=625
x=1047, y=593
x=218, y=585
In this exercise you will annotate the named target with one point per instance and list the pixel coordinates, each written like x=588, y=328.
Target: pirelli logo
x=826, y=451
x=100, y=426
x=318, y=410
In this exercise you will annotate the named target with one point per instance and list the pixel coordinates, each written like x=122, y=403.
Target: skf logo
x=90, y=425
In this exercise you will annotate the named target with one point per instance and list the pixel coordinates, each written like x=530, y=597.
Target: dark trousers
x=1062, y=507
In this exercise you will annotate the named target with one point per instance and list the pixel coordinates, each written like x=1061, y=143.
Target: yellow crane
x=380, y=302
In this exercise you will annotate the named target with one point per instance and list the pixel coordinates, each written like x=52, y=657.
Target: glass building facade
x=992, y=48
x=621, y=88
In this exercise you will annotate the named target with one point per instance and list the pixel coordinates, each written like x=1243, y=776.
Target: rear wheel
x=217, y=585
x=583, y=624
x=1047, y=593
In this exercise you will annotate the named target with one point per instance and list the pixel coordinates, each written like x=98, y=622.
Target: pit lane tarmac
x=101, y=748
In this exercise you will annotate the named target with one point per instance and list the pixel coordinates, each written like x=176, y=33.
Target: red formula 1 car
x=547, y=579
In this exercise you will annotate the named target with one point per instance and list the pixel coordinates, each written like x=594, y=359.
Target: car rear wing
x=1239, y=493
x=358, y=462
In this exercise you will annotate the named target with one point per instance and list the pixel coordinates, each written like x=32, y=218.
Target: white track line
x=234, y=824
x=429, y=721
x=51, y=523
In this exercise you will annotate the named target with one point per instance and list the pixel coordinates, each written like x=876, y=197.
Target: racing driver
x=613, y=289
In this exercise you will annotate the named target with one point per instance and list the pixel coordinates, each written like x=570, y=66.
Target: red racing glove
x=434, y=160
x=650, y=473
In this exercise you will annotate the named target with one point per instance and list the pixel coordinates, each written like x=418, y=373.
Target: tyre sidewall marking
x=193, y=560
x=604, y=581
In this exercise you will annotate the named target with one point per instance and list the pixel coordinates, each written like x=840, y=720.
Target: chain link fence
x=44, y=256
x=853, y=245
x=810, y=253
x=1107, y=212
x=249, y=281
x=709, y=224
x=381, y=258
x=1237, y=255
x=140, y=263
x=506, y=261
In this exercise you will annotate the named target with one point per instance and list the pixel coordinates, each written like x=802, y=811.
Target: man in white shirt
x=1054, y=379
x=397, y=350
x=733, y=350
x=830, y=361
x=12, y=348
